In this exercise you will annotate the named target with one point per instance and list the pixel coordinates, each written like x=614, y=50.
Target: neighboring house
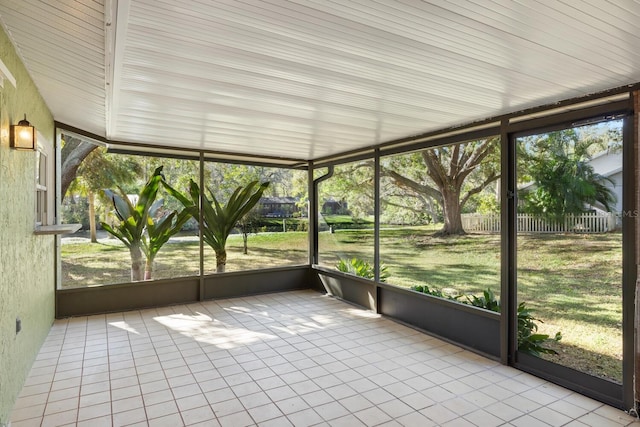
x=278, y=207
x=335, y=207
x=609, y=165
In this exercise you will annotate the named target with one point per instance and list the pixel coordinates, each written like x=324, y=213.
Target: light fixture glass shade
x=23, y=135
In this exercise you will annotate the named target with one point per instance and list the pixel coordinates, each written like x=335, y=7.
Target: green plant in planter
x=361, y=268
x=528, y=340
x=488, y=301
x=425, y=289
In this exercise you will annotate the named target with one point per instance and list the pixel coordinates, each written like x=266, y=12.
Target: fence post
x=611, y=221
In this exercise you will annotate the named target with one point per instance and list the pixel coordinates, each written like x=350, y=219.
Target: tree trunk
x=221, y=260
x=148, y=269
x=137, y=263
x=452, y=211
x=92, y=216
x=72, y=154
x=245, y=247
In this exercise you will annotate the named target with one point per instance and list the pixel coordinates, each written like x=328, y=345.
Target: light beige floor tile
x=265, y=413
x=129, y=417
x=292, y=405
x=372, y=416
x=415, y=419
x=439, y=413
x=528, y=421
x=60, y=418
x=595, y=420
x=103, y=421
x=171, y=420
x=550, y=416
x=227, y=407
x=460, y=422
x=161, y=409
x=33, y=400
x=239, y=419
x=191, y=402
x=153, y=398
x=483, y=418
x=22, y=414
x=61, y=405
x=128, y=404
x=276, y=422
x=274, y=370
x=94, y=399
x=95, y=411
x=504, y=411
x=304, y=418
x=202, y=414
x=614, y=415
x=355, y=403
x=252, y=400
x=522, y=403
x=186, y=390
x=30, y=422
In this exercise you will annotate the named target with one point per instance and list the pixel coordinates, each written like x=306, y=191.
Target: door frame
x=621, y=396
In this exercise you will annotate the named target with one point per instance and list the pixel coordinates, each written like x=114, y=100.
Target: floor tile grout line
x=298, y=308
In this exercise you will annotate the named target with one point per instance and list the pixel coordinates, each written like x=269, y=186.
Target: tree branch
x=72, y=154
x=492, y=177
x=405, y=182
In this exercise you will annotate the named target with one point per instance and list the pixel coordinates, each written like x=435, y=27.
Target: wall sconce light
x=23, y=135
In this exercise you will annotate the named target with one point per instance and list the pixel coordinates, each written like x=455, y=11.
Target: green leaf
x=218, y=220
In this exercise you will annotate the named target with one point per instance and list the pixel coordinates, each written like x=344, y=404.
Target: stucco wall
x=26, y=260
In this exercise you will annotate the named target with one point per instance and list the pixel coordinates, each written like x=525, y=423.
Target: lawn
x=572, y=282
x=108, y=262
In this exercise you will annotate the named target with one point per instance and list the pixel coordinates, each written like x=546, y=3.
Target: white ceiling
x=306, y=79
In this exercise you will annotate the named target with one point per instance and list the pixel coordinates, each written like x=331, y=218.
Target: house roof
x=607, y=163
x=279, y=200
x=307, y=79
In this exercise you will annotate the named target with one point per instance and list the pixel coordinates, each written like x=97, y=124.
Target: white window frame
x=44, y=179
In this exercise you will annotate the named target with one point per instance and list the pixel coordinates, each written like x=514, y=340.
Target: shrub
x=75, y=209
x=361, y=268
x=528, y=340
x=433, y=292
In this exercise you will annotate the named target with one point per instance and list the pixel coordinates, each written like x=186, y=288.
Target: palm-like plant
x=138, y=229
x=219, y=220
x=159, y=230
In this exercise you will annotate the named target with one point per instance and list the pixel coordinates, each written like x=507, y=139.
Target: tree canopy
x=556, y=178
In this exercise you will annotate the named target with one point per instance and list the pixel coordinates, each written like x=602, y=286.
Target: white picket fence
x=585, y=223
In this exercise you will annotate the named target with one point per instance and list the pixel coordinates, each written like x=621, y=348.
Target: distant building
x=609, y=165
x=279, y=207
x=335, y=207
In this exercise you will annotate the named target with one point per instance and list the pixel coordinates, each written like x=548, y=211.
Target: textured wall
x=26, y=260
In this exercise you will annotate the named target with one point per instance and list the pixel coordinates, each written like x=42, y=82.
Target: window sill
x=57, y=229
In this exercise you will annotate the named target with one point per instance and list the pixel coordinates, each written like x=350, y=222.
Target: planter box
x=353, y=289
x=462, y=324
x=469, y=326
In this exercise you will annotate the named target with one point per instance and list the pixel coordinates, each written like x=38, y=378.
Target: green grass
x=572, y=282
x=108, y=262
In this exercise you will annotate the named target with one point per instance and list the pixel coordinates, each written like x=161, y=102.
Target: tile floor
x=288, y=359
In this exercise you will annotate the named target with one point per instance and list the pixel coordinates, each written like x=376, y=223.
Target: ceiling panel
x=62, y=44
x=312, y=78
